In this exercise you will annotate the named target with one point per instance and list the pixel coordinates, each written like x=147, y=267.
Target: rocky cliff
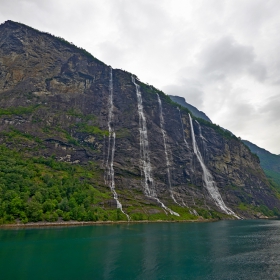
x=269, y=162
x=150, y=157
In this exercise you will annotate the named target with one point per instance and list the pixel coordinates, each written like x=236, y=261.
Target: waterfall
x=165, y=148
x=208, y=180
x=110, y=178
x=203, y=154
x=200, y=133
x=144, y=146
x=185, y=141
x=146, y=168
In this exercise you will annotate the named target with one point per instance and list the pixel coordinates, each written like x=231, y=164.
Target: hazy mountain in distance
x=181, y=100
x=269, y=162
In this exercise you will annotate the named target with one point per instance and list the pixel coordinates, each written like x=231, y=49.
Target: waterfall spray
x=148, y=184
x=165, y=149
x=203, y=140
x=110, y=176
x=208, y=180
x=185, y=141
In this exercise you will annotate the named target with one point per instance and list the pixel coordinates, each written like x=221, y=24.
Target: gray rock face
x=60, y=95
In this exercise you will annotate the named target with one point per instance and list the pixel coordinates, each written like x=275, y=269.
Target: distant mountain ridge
x=181, y=100
x=269, y=162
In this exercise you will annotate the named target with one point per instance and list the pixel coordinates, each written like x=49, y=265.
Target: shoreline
x=90, y=223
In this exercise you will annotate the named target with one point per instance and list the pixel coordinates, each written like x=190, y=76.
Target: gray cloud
x=113, y=52
x=270, y=110
x=139, y=22
x=258, y=71
x=191, y=90
x=227, y=57
x=251, y=17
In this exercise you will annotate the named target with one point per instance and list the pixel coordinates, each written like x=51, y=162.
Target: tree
x=34, y=211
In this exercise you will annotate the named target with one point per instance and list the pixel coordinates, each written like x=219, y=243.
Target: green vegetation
x=259, y=209
x=270, y=163
x=152, y=90
x=18, y=110
x=37, y=189
x=81, y=50
x=84, y=127
x=210, y=214
x=15, y=136
x=225, y=133
x=274, y=176
x=87, y=123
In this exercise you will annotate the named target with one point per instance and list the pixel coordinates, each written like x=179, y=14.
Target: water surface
x=221, y=250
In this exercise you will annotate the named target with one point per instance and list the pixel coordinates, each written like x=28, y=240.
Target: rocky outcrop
x=60, y=95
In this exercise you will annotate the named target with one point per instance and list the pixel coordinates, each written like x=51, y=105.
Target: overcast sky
x=222, y=56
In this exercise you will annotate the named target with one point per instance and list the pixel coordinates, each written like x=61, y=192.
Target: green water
x=221, y=250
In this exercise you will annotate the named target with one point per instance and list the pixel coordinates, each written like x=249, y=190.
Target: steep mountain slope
x=269, y=162
x=83, y=141
x=181, y=100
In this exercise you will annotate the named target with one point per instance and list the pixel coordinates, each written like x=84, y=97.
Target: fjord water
x=220, y=250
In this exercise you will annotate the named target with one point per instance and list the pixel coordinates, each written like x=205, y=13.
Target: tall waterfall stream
x=165, y=149
x=149, y=188
x=110, y=180
x=208, y=180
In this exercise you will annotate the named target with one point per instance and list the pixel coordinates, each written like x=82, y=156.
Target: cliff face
x=76, y=109
x=269, y=162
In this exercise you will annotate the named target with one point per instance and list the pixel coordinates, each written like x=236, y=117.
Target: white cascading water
x=165, y=148
x=110, y=180
x=185, y=141
x=146, y=168
x=200, y=133
x=208, y=179
x=203, y=140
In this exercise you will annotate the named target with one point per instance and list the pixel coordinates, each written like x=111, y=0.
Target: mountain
x=82, y=141
x=181, y=100
x=269, y=162
x=197, y=113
